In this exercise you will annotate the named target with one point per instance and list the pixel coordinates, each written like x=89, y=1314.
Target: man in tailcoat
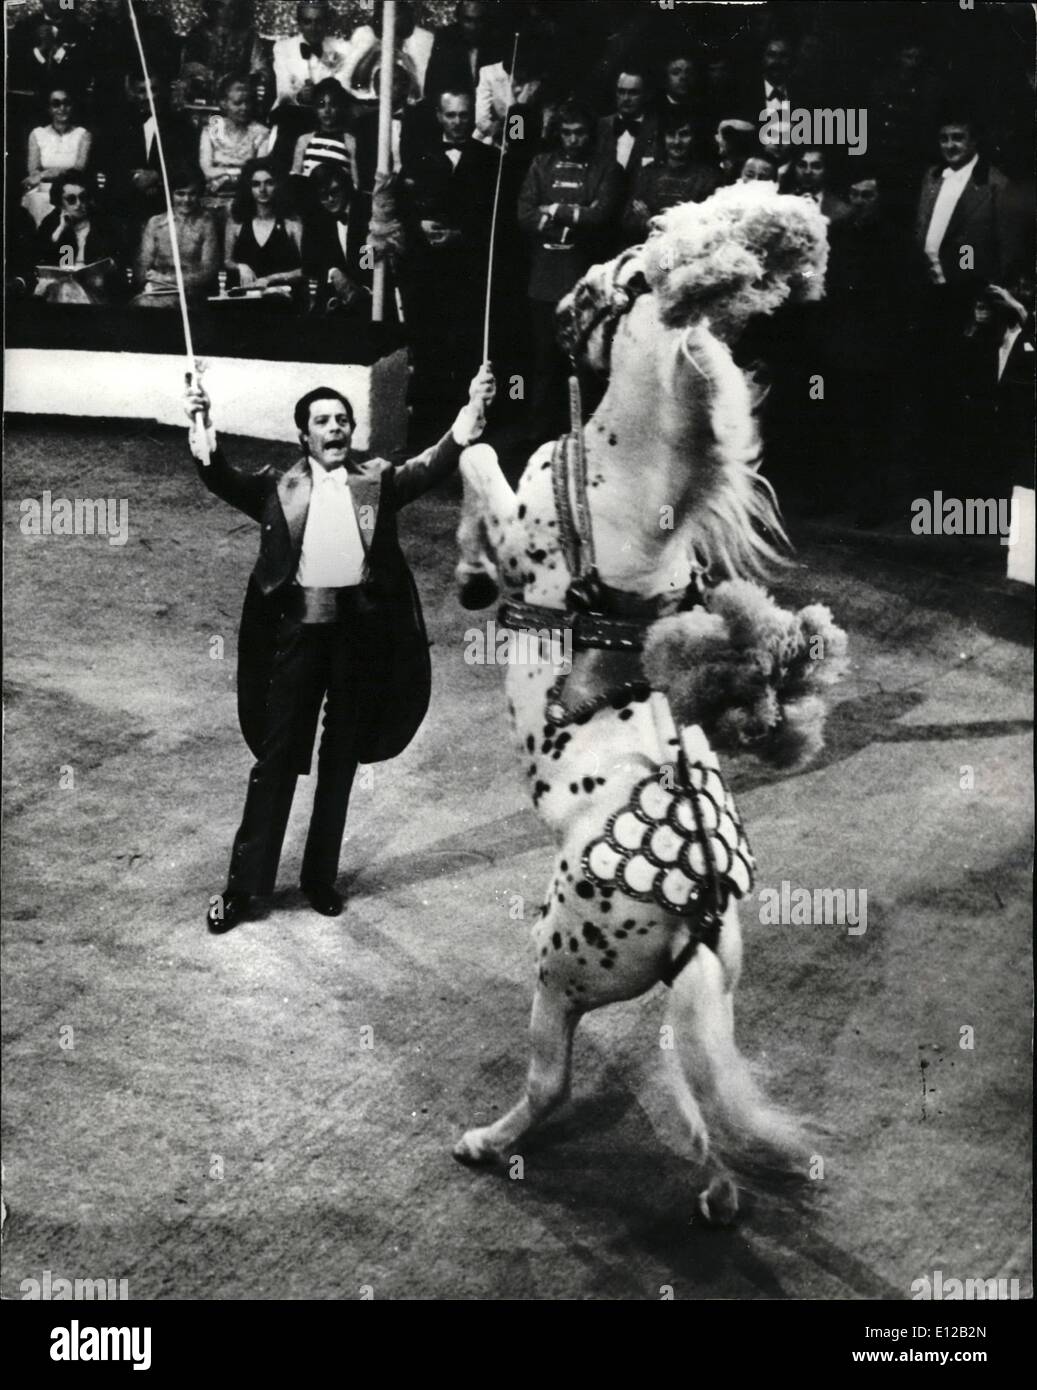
x=331, y=608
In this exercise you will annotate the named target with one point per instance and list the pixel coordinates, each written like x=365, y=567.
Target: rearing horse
x=648, y=866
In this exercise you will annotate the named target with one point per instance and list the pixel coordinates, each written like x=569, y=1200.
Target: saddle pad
x=654, y=850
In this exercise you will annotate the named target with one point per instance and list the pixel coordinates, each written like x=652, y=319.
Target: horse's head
x=744, y=251
x=678, y=414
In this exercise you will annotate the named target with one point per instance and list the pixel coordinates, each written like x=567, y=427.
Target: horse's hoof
x=477, y=591
x=469, y=1151
x=718, y=1203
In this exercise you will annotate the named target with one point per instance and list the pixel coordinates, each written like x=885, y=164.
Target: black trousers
x=312, y=660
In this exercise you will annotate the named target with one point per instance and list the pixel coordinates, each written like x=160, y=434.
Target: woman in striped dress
x=331, y=142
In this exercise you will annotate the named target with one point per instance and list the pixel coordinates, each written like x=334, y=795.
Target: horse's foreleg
x=552, y=1027
x=487, y=510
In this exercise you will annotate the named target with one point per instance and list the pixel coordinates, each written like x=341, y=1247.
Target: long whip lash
x=192, y=365
x=496, y=204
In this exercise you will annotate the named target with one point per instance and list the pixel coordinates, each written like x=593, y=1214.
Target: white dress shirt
x=149, y=136
x=332, y=550
x=292, y=71
x=952, y=187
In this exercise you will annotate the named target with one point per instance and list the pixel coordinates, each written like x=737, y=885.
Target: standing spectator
x=809, y=178
x=413, y=43
x=631, y=134
x=566, y=209
x=680, y=178
x=765, y=97
x=54, y=148
x=448, y=196
x=232, y=138
x=130, y=151
x=309, y=56
x=902, y=113
x=331, y=142
x=263, y=241
x=495, y=95
x=74, y=237
x=47, y=49
x=971, y=220
x=459, y=50
x=224, y=44
x=155, y=273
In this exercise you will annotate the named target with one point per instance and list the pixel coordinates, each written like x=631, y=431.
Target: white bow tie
x=337, y=477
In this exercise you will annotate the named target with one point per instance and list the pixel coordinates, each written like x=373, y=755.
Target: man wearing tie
x=129, y=150
x=630, y=136
x=300, y=62
x=446, y=200
x=331, y=609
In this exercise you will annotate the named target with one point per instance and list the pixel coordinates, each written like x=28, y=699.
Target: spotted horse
x=613, y=532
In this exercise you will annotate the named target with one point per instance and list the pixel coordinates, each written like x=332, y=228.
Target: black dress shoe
x=323, y=898
x=228, y=910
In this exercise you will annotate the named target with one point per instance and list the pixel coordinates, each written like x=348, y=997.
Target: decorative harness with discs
x=682, y=846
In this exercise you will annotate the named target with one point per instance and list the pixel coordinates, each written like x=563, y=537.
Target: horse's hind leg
x=552, y=1026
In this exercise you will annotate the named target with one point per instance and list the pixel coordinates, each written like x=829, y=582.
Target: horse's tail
x=714, y=1084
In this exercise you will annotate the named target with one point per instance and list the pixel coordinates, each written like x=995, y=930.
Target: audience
x=924, y=339
x=232, y=138
x=154, y=273
x=54, y=148
x=262, y=240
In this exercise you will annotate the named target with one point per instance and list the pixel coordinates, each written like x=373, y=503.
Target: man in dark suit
x=331, y=609
x=459, y=50
x=971, y=219
x=630, y=136
x=129, y=150
x=446, y=202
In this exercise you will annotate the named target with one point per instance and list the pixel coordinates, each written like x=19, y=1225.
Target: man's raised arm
x=246, y=491
x=418, y=474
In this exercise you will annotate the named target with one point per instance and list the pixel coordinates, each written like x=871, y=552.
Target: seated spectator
x=112, y=56
x=225, y=44
x=232, y=138
x=459, y=50
x=680, y=178
x=53, y=149
x=413, y=45
x=331, y=142
x=762, y=166
x=83, y=247
x=333, y=246
x=262, y=241
x=632, y=133
x=155, y=274
x=971, y=220
x=808, y=176
x=681, y=91
x=129, y=155
x=566, y=209
x=736, y=142
x=46, y=49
